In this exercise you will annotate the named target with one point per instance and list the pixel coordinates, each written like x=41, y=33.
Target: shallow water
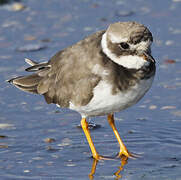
x=151, y=128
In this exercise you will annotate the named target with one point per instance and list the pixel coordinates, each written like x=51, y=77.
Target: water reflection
x=124, y=161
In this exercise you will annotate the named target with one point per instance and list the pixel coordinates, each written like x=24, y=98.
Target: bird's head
x=128, y=44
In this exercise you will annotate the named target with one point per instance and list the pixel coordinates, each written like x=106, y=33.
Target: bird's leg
x=84, y=125
x=123, y=150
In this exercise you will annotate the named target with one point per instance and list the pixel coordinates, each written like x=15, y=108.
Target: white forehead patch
x=128, y=61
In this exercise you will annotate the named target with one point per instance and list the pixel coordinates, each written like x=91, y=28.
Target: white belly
x=104, y=102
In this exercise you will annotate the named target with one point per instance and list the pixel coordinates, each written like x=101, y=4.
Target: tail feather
x=30, y=83
x=30, y=62
x=27, y=83
x=38, y=67
x=32, y=89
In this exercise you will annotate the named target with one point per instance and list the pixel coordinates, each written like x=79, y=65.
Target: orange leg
x=123, y=149
x=84, y=125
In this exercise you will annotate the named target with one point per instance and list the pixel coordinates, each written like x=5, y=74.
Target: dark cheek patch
x=115, y=49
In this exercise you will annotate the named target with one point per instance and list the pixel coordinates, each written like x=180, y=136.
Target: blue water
x=151, y=128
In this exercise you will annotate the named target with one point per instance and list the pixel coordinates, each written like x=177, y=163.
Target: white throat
x=128, y=61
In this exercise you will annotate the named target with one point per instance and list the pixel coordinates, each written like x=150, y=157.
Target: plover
x=104, y=73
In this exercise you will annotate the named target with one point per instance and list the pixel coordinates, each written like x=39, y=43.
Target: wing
x=68, y=76
x=30, y=83
x=71, y=78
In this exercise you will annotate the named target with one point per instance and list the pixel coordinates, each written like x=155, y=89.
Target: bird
x=106, y=72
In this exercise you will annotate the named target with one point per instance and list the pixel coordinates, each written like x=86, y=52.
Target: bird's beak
x=148, y=57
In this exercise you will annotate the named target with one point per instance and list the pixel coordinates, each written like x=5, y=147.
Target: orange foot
x=127, y=154
x=100, y=157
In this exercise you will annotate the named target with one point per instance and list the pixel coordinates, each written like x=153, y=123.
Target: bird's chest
x=104, y=101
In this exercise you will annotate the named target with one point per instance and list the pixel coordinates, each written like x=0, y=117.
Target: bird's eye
x=124, y=45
